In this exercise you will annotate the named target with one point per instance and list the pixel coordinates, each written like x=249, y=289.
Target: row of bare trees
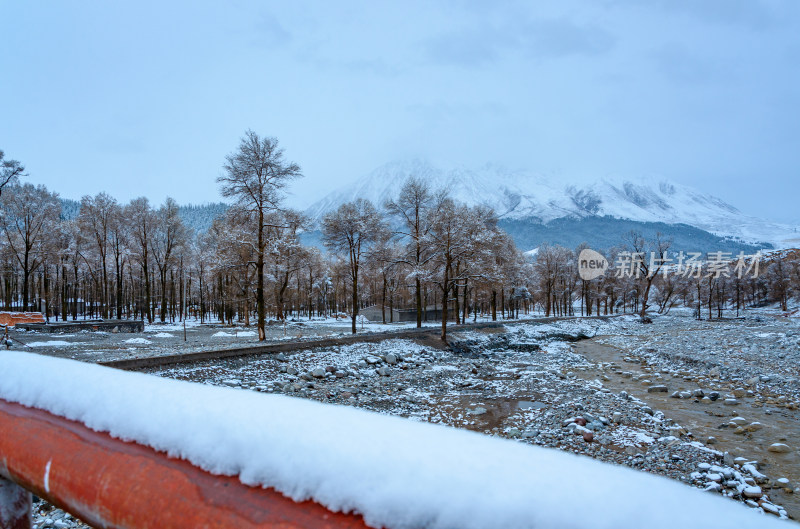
x=715, y=286
x=419, y=250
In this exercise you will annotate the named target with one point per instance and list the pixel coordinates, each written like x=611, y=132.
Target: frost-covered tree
x=28, y=214
x=255, y=176
x=351, y=230
x=457, y=236
x=169, y=236
x=142, y=221
x=10, y=171
x=414, y=209
x=95, y=219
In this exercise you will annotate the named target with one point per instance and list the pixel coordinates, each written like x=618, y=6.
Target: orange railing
x=111, y=483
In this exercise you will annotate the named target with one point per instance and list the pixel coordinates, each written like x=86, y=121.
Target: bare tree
x=142, y=219
x=413, y=207
x=168, y=236
x=255, y=176
x=10, y=171
x=28, y=212
x=650, y=265
x=95, y=220
x=457, y=235
x=352, y=229
x=286, y=254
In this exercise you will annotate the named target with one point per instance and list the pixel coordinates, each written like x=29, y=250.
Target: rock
x=527, y=434
x=372, y=360
x=330, y=369
x=752, y=492
x=711, y=440
x=676, y=395
x=291, y=370
x=391, y=359
x=657, y=389
x=318, y=372
x=232, y=382
x=616, y=417
x=624, y=395
x=727, y=458
x=648, y=410
x=739, y=393
x=698, y=393
x=731, y=402
x=595, y=426
x=588, y=437
x=477, y=411
x=755, y=426
x=580, y=421
x=383, y=371
x=280, y=357
x=779, y=448
x=714, y=395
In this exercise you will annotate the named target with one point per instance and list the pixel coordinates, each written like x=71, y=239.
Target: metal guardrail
x=110, y=483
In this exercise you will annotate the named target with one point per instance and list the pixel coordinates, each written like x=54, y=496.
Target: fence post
x=15, y=506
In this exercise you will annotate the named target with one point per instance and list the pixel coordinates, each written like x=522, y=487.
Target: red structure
x=10, y=319
x=110, y=483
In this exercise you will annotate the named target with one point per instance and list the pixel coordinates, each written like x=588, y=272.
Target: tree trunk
x=260, y=306
x=418, y=295
x=355, y=297
x=445, y=291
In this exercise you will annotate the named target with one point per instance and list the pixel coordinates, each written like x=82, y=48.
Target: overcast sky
x=149, y=97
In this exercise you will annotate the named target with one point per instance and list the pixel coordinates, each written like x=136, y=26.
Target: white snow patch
x=242, y=334
x=144, y=341
x=397, y=473
x=51, y=343
x=163, y=335
x=629, y=436
x=221, y=334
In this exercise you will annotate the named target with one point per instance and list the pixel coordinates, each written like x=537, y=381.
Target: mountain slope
x=526, y=198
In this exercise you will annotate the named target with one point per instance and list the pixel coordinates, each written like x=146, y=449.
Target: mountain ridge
x=523, y=196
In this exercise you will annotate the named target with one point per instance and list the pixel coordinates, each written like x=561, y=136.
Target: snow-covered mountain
x=524, y=196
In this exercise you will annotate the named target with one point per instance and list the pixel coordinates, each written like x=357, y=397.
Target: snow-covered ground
x=723, y=392
x=397, y=473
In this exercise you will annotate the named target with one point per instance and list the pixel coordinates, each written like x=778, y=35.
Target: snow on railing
x=133, y=446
